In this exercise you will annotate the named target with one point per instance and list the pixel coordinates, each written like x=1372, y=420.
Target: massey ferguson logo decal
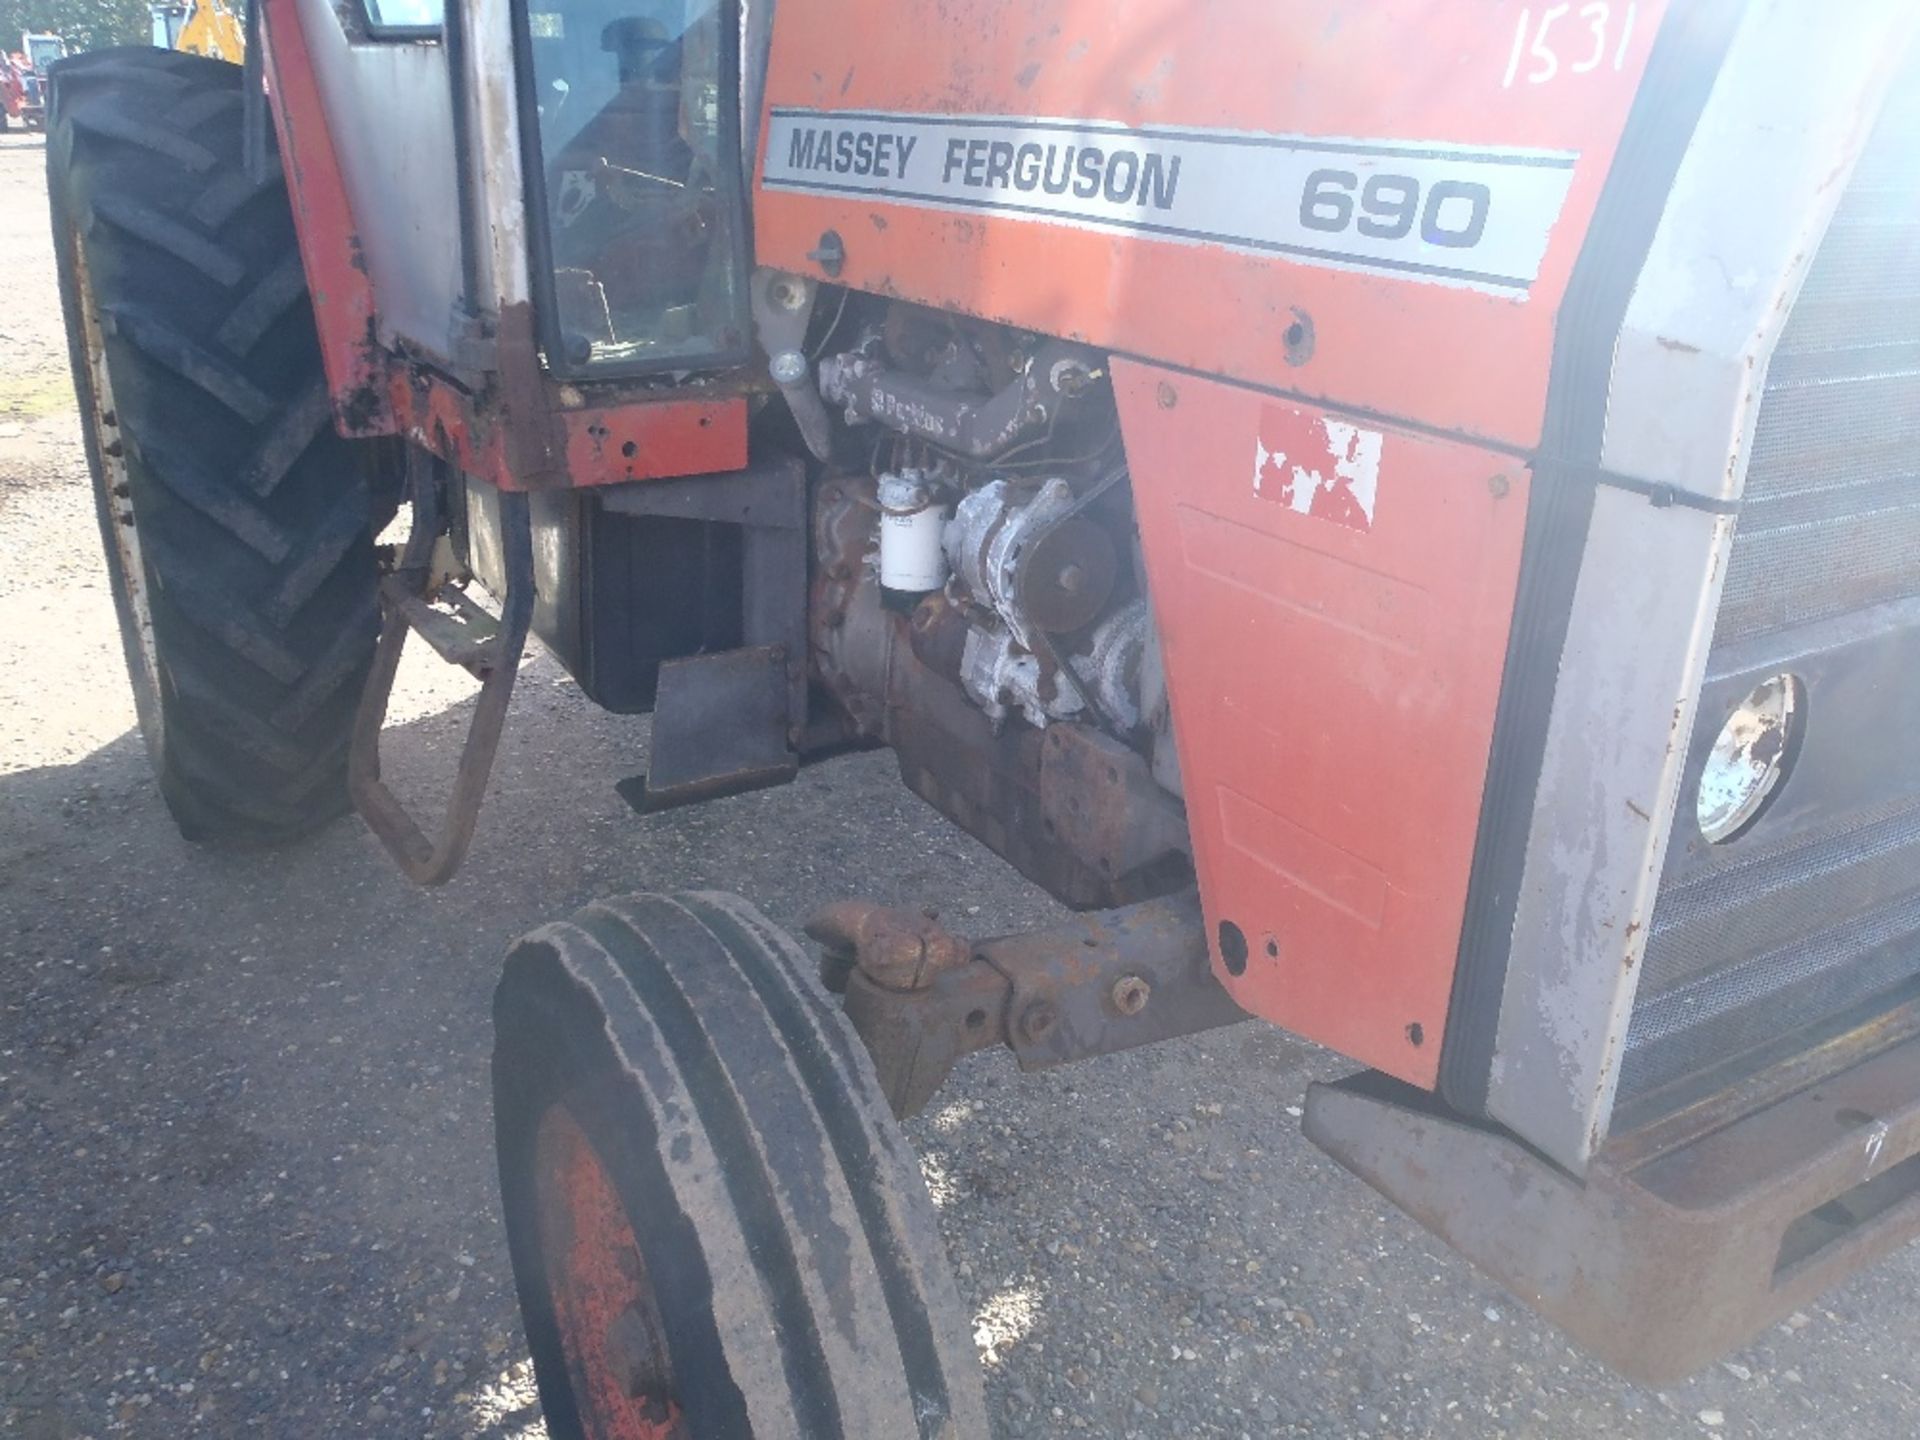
x=1443, y=214
x=1086, y=172
x=1316, y=465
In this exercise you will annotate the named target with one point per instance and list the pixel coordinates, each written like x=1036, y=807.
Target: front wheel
x=717, y=1229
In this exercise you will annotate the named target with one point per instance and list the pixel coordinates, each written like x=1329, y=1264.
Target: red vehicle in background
x=13, y=92
x=23, y=81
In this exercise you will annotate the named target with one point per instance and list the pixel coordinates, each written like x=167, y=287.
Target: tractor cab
x=560, y=305
x=31, y=61
x=592, y=159
x=168, y=21
x=41, y=51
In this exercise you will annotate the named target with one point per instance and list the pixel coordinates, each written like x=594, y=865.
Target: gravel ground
x=245, y=1166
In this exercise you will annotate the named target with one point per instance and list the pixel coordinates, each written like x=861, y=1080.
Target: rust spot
x=359, y=410
x=362, y=410
x=879, y=220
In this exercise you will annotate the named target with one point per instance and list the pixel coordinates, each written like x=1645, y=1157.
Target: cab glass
x=635, y=183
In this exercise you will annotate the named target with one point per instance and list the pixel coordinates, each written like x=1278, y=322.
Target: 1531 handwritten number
x=1570, y=39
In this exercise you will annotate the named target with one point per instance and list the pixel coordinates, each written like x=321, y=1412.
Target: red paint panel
x=601, y=445
x=657, y=440
x=343, y=305
x=1334, y=685
x=1406, y=72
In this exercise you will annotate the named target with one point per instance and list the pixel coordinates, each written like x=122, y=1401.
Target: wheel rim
x=116, y=506
x=604, y=1308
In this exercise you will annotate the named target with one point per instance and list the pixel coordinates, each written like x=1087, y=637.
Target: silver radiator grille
x=1817, y=910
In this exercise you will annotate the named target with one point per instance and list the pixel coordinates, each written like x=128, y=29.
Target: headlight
x=1751, y=758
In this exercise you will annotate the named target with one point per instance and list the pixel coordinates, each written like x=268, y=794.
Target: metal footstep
x=463, y=634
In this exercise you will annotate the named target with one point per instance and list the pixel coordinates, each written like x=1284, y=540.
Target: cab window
x=404, y=17
x=638, y=202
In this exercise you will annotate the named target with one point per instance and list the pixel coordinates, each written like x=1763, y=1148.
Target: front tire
x=236, y=521
x=717, y=1229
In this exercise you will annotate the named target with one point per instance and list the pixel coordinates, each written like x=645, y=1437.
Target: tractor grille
x=1815, y=913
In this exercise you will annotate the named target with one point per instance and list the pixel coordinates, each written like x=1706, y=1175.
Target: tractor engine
x=980, y=604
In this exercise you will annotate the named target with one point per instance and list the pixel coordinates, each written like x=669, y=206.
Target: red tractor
x=1401, y=515
x=23, y=80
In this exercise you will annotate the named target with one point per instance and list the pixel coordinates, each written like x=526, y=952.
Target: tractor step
x=465, y=635
x=462, y=634
x=1686, y=1238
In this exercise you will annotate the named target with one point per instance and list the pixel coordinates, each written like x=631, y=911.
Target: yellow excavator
x=200, y=27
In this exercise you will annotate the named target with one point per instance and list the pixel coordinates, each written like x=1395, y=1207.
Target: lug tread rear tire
x=251, y=514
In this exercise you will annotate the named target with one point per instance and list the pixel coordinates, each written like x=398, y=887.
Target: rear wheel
x=236, y=522
x=716, y=1227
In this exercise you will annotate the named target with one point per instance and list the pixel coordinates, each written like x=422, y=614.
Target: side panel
x=387, y=106
x=1379, y=205
x=1334, y=600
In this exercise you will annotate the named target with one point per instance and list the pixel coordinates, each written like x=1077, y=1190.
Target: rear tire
x=717, y=1229
x=236, y=521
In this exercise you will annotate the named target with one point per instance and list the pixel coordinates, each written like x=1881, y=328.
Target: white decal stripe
x=1344, y=144
x=1457, y=215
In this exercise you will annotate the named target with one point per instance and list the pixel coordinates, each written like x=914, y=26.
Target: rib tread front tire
x=799, y=1275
